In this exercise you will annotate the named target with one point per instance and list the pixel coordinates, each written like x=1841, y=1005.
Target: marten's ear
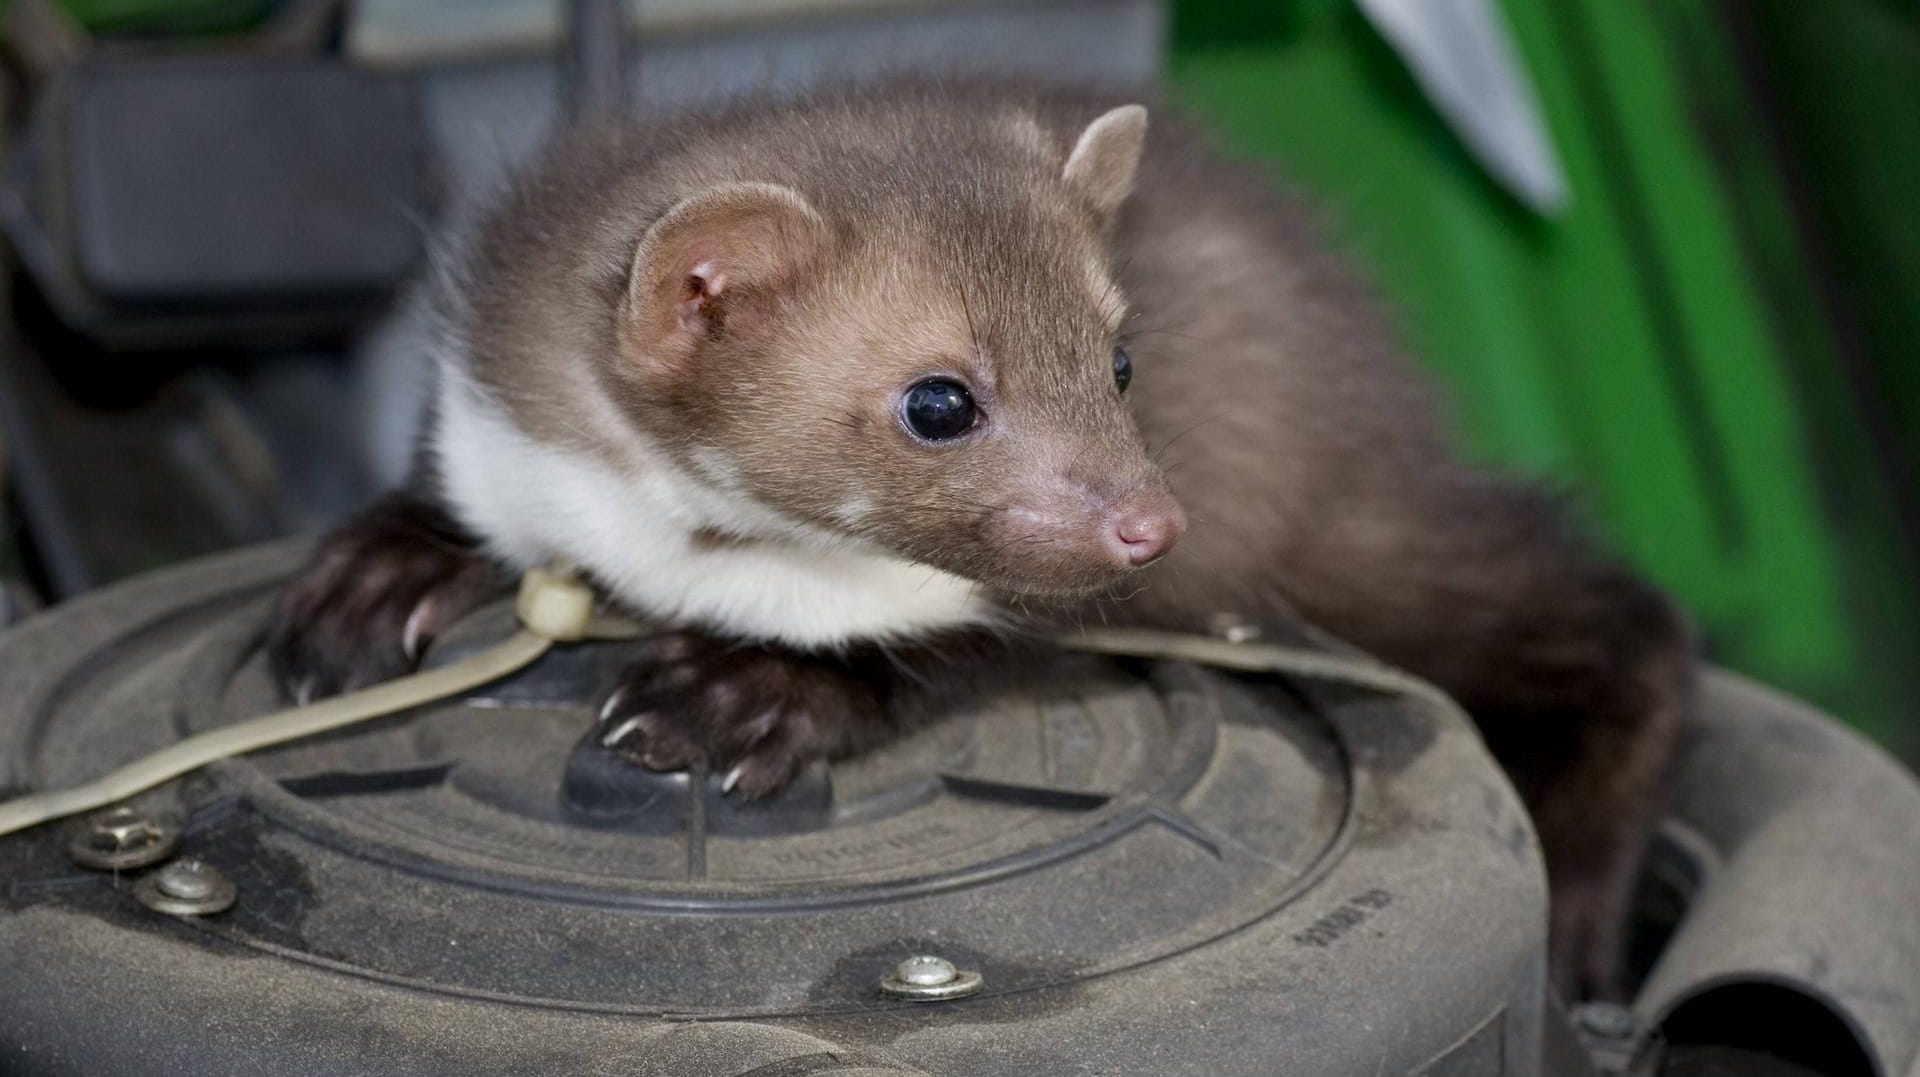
x=711, y=262
x=1103, y=162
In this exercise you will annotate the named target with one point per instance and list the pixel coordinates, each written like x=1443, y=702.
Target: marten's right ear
x=1103, y=161
x=711, y=263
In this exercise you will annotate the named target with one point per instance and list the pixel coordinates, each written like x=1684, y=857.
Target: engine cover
x=1154, y=868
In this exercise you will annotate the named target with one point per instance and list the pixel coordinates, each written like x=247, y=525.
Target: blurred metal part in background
x=493, y=82
x=406, y=33
x=597, y=58
x=1463, y=56
x=150, y=197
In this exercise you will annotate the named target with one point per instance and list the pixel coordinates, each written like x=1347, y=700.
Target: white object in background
x=1462, y=54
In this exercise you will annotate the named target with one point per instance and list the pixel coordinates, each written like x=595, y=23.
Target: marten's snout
x=1142, y=529
x=1067, y=536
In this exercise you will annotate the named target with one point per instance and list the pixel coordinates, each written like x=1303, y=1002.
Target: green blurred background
x=1714, y=344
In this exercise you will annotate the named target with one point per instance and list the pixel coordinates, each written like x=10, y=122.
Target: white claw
x=410, y=635
x=607, y=708
x=303, y=692
x=732, y=779
x=619, y=733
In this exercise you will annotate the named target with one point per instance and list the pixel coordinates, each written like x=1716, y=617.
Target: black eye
x=938, y=409
x=1122, y=367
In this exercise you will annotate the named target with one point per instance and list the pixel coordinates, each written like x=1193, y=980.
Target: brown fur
x=933, y=234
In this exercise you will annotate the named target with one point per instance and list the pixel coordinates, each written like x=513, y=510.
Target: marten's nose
x=1143, y=530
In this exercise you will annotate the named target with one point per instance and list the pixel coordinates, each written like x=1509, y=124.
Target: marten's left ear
x=1103, y=162
x=714, y=261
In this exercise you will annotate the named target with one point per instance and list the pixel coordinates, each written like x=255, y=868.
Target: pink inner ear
x=702, y=268
x=702, y=284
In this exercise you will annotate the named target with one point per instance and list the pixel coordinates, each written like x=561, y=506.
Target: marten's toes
x=756, y=715
x=645, y=731
x=766, y=753
x=364, y=610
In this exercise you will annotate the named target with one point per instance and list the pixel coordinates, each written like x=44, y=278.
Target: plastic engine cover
x=1155, y=868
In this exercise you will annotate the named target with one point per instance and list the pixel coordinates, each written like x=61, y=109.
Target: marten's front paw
x=757, y=715
x=375, y=594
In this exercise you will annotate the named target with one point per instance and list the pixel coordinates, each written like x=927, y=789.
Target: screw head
x=930, y=978
x=926, y=971
x=186, y=887
x=189, y=880
x=122, y=838
x=1605, y=1020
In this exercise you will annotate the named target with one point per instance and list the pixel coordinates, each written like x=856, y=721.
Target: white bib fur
x=632, y=526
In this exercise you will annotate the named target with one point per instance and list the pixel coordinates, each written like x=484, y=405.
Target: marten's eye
x=938, y=409
x=1122, y=367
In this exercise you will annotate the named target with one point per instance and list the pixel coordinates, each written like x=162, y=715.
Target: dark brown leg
x=1580, y=674
x=1588, y=719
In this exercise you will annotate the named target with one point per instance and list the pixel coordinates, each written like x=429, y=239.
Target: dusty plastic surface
x=1157, y=869
x=1806, y=844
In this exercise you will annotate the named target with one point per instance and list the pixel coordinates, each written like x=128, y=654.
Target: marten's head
x=925, y=355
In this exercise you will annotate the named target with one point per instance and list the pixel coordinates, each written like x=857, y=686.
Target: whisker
x=1175, y=439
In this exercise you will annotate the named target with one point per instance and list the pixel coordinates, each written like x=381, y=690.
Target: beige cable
x=555, y=606
x=1254, y=657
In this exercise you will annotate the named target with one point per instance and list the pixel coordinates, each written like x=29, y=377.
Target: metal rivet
x=927, y=978
x=186, y=888
x=1233, y=628
x=1605, y=1020
x=121, y=839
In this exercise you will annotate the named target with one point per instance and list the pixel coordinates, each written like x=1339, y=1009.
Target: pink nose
x=1142, y=533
